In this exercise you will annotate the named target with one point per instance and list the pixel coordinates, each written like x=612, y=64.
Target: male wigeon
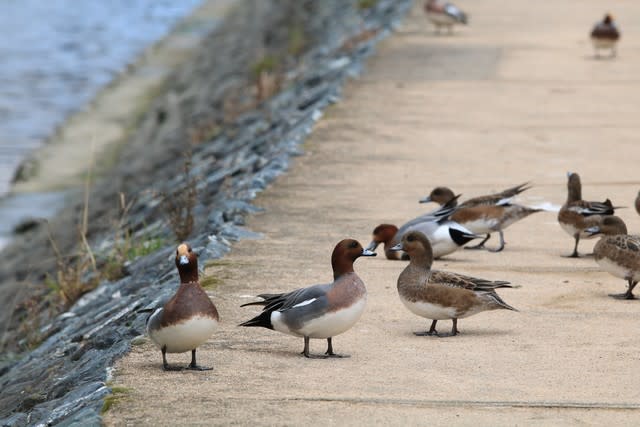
x=576, y=215
x=440, y=295
x=605, y=35
x=443, y=14
x=319, y=311
x=485, y=214
x=446, y=236
x=188, y=319
x=617, y=252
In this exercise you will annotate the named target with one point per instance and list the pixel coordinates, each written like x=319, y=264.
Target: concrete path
x=516, y=97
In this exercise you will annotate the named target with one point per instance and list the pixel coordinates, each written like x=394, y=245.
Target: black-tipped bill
x=372, y=246
x=425, y=200
x=368, y=252
x=397, y=247
x=184, y=260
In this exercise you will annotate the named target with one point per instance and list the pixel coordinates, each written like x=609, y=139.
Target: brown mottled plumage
x=485, y=214
x=443, y=195
x=618, y=253
x=439, y=295
x=576, y=215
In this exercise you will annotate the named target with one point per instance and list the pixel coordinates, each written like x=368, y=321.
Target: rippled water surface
x=56, y=54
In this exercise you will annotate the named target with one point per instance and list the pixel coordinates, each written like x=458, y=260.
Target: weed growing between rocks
x=118, y=394
x=180, y=202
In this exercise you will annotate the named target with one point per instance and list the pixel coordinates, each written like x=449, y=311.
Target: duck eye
x=411, y=238
x=353, y=244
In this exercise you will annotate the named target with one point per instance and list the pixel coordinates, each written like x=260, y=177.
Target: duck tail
x=261, y=320
x=500, y=304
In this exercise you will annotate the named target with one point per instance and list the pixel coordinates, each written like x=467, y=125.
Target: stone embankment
x=205, y=132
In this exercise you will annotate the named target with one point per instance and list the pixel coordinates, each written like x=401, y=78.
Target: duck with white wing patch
x=319, y=311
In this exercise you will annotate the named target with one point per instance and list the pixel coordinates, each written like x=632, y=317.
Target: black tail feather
x=262, y=320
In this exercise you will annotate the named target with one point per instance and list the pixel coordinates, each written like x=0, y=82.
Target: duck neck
x=188, y=273
x=575, y=191
x=421, y=259
x=341, y=265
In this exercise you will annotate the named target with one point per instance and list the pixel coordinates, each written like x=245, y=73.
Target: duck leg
x=628, y=294
x=430, y=332
x=501, y=247
x=575, y=248
x=479, y=245
x=308, y=355
x=165, y=365
x=193, y=366
x=454, y=330
x=330, y=352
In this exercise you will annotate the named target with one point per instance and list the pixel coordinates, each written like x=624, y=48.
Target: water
x=57, y=54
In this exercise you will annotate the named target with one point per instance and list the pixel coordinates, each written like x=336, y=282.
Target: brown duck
x=440, y=295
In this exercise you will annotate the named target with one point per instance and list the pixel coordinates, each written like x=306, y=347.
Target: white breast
x=613, y=268
x=429, y=310
x=481, y=226
x=325, y=326
x=184, y=336
x=603, y=43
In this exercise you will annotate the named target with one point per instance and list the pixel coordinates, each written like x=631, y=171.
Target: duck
x=637, y=203
x=319, y=311
x=485, y=214
x=445, y=236
x=444, y=14
x=617, y=252
x=576, y=215
x=188, y=319
x=443, y=195
x=441, y=295
x=605, y=35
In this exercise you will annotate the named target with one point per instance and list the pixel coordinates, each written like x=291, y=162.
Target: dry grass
x=179, y=203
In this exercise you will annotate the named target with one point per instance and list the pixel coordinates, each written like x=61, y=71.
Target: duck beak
x=372, y=246
x=569, y=173
x=425, y=200
x=367, y=252
x=184, y=260
x=397, y=247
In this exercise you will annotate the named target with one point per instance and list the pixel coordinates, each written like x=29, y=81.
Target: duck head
x=187, y=263
x=418, y=247
x=384, y=233
x=574, y=187
x=344, y=255
x=609, y=226
x=441, y=196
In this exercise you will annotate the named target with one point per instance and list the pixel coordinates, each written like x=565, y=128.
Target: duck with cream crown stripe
x=440, y=295
x=576, y=215
x=485, y=214
x=319, y=311
x=617, y=252
x=188, y=319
